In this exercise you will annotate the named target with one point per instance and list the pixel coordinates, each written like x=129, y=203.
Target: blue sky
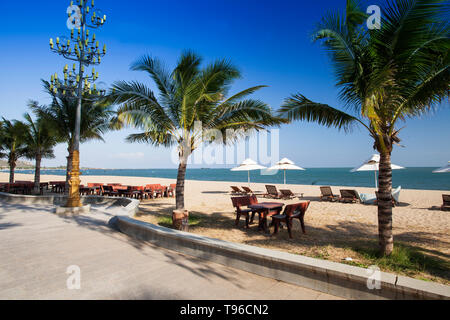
x=268, y=40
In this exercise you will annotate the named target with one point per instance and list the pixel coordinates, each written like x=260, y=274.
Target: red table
x=266, y=209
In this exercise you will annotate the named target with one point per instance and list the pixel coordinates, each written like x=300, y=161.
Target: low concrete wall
x=130, y=206
x=325, y=276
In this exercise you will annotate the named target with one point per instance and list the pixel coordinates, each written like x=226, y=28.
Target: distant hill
x=20, y=164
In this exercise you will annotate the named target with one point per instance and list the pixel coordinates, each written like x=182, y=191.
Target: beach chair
x=349, y=196
x=272, y=192
x=236, y=190
x=238, y=203
x=249, y=191
x=327, y=194
x=291, y=212
x=446, y=199
x=287, y=194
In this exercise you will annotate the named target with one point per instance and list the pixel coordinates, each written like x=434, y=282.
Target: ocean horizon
x=420, y=178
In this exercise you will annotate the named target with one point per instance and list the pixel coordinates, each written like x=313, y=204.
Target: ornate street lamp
x=83, y=48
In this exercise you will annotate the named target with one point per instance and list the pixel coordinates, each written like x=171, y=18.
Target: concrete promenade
x=37, y=247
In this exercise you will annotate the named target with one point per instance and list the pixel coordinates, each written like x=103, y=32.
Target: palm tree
x=40, y=141
x=60, y=115
x=13, y=143
x=191, y=100
x=385, y=76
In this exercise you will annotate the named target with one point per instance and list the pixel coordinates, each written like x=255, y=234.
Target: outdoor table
x=266, y=209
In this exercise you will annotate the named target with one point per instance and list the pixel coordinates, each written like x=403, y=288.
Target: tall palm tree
x=61, y=113
x=13, y=143
x=188, y=95
x=40, y=141
x=385, y=76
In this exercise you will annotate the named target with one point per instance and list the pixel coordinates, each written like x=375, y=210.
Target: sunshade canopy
x=373, y=164
x=248, y=165
x=285, y=164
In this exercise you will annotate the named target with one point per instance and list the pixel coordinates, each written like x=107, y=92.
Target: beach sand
x=333, y=229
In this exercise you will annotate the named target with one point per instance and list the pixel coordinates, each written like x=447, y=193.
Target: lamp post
x=83, y=48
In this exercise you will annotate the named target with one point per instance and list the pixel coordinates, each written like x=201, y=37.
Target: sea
x=410, y=178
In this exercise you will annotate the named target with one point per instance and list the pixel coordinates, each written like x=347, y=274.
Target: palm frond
x=298, y=107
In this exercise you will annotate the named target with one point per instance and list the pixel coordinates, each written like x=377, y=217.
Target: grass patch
x=166, y=221
x=405, y=259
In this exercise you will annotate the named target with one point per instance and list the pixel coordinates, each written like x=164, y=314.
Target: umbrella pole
x=248, y=178
x=376, y=184
x=284, y=176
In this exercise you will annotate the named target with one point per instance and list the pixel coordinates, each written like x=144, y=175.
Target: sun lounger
x=327, y=194
x=238, y=203
x=288, y=194
x=446, y=199
x=249, y=191
x=349, y=196
x=236, y=190
x=291, y=212
x=368, y=198
x=272, y=192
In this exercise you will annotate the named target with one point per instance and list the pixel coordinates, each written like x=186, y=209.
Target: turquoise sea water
x=410, y=178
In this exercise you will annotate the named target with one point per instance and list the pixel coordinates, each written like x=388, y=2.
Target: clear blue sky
x=268, y=40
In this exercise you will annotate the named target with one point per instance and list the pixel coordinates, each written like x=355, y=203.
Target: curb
x=325, y=276
x=129, y=206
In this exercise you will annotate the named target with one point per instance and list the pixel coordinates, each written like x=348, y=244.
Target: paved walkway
x=37, y=247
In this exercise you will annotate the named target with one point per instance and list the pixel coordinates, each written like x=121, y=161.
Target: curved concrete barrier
x=321, y=275
x=129, y=206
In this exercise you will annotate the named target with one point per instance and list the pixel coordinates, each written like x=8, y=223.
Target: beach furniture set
x=248, y=206
x=352, y=196
x=272, y=192
x=149, y=191
x=22, y=187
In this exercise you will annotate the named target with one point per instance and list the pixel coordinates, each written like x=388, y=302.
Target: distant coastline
x=420, y=178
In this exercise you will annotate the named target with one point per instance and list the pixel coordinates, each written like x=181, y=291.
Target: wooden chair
x=172, y=190
x=238, y=203
x=446, y=199
x=327, y=194
x=272, y=192
x=109, y=191
x=291, y=212
x=349, y=196
x=154, y=190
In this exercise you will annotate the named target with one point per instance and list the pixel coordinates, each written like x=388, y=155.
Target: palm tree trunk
x=386, y=238
x=37, y=174
x=180, y=185
x=12, y=167
x=69, y=168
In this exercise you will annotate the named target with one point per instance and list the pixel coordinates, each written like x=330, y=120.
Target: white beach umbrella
x=285, y=164
x=443, y=169
x=373, y=164
x=248, y=165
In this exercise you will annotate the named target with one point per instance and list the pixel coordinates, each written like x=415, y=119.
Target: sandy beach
x=330, y=226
